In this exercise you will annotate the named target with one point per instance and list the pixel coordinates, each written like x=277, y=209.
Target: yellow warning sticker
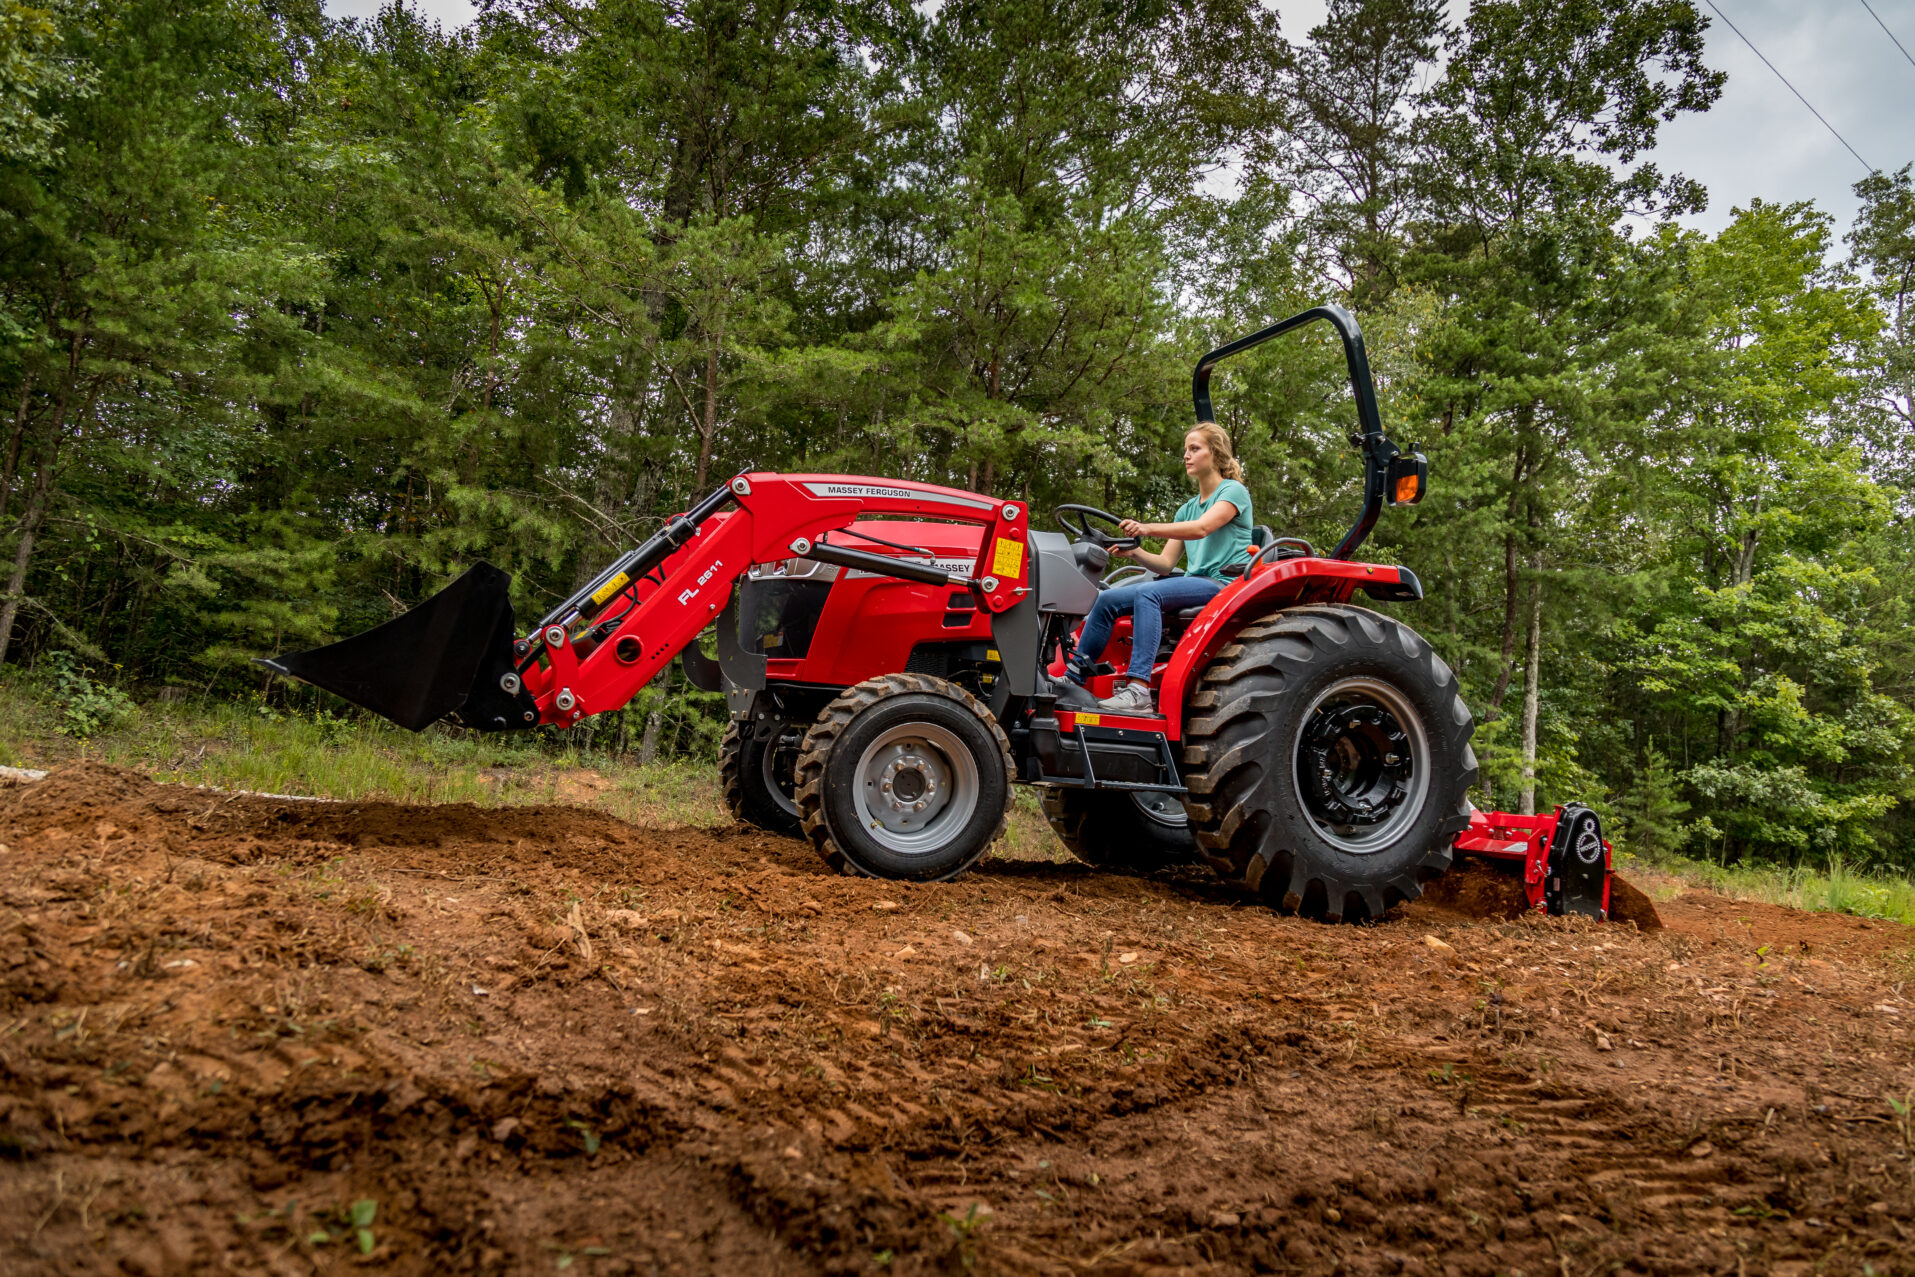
x=611, y=587
x=1089, y=720
x=1008, y=559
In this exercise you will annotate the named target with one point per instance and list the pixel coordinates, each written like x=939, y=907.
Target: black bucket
x=444, y=658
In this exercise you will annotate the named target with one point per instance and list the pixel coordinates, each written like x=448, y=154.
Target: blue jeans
x=1146, y=605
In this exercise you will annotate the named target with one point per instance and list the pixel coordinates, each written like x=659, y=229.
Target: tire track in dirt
x=529, y=1034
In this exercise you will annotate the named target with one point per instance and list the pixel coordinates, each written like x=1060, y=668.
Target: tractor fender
x=1267, y=588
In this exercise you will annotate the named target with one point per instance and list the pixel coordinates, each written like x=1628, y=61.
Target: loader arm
x=593, y=652
x=777, y=516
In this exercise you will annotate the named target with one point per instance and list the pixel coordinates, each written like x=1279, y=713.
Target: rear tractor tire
x=1327, y=757
x=1133, y=829
x=904, y=776
x=757, y=762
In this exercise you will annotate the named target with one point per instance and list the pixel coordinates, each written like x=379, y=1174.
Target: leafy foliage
x=87, y=708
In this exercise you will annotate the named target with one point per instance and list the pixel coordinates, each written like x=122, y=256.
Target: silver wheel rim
x=1160, y=808
x=780, y=794
x=1361, y=839
x=916, y=788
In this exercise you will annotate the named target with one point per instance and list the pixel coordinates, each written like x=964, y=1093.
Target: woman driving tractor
x=1214, y=526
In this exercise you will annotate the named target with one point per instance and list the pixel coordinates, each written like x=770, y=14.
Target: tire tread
x=1227, y=752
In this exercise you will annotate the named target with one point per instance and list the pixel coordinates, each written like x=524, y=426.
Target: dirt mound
x=1475, y=888
x=1628, y=903
x=268, y=1035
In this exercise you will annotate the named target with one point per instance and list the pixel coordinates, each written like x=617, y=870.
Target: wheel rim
x=1160, y=808
x=781, y=788
x=1362, y=764
x=916, y=788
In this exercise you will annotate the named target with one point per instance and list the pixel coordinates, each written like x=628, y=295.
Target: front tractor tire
x=1328, y=763
x=1138, y=830
x=756, y=761
x=904, y=776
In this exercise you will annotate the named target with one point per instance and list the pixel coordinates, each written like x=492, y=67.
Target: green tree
x=1533, y=150
x=1348, y=144
x=1883, y=244
x=1760, y=658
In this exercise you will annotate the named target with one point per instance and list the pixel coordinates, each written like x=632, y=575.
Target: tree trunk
x=648, y=744
x=23, y=553
x=1511, y=578
x=36, y=511
x=1745, y=552
x=1532, y=683
x=13, y=446
x=708, y=428
x=1512, y=573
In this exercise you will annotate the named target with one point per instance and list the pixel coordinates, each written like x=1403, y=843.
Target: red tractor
x=892, y=654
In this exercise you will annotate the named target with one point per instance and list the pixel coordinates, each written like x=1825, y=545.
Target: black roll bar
x=1377, y=449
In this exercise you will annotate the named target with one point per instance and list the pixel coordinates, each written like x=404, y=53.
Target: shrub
x=87, y=708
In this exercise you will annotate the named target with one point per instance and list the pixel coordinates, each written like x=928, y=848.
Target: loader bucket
x=444, y=657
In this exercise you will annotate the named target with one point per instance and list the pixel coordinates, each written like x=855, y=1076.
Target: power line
x=1885, y=31
x=1798, y=93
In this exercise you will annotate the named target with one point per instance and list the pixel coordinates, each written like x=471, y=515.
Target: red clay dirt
x=534, y=1039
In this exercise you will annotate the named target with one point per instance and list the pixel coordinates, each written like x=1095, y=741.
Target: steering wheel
x=1083, y=530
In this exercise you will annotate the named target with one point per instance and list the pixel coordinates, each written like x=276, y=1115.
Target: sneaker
x=1077, y=669
x=1131, y=698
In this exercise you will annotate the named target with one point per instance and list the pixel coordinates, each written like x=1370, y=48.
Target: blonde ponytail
x=1218, y=441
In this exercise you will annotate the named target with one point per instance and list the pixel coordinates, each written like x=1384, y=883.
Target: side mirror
x=1408, y=478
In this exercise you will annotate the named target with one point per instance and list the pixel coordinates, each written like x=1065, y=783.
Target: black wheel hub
x=1354, y=764
x=908, y=785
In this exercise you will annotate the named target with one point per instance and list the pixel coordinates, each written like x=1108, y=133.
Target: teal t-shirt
x=1207, y=556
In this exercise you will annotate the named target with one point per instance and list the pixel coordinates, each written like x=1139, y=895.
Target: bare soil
x=534, y=1039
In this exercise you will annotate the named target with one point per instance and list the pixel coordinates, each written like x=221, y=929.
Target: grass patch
x=1840, y=888
x=235, y=744
x=250, y=745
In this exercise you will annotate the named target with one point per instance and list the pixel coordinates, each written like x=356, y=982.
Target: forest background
x=298, y=318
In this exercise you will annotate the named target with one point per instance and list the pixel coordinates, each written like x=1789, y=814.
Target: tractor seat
x=1175, y=623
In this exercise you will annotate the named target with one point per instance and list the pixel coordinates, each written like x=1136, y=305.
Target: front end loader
x=892, y=654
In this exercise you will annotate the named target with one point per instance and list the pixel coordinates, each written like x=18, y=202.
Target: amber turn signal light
x=1407, y=477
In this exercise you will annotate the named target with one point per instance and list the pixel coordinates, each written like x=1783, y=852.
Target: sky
x=1758, y=142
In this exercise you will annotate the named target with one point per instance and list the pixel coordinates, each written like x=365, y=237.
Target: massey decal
x=876, y=492
x=961, y=567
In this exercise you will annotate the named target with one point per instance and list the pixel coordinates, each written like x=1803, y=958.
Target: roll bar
x=1378, y=451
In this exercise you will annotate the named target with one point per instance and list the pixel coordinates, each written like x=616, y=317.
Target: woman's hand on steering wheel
x=1135, y=529
x=1084, y=529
